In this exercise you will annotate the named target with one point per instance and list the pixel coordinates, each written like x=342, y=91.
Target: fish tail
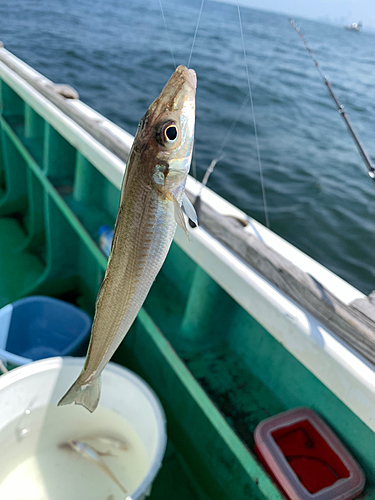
x=86, y=395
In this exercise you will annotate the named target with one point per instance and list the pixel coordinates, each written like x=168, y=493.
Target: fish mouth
x=193, y=78
x=177, y=94
x=189, y=75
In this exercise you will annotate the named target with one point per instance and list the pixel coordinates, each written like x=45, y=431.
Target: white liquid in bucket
x=34, y=467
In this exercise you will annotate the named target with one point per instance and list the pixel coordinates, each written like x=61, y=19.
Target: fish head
x=165, y=134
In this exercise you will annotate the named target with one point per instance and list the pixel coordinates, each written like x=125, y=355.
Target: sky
x=335, y=11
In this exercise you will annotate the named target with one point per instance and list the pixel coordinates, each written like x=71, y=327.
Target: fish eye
x=167, y=134
x=171, y=132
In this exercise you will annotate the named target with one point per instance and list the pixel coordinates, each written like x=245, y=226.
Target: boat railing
x=323, y=321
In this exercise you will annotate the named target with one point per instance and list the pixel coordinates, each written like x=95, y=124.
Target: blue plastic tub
x=41, y=327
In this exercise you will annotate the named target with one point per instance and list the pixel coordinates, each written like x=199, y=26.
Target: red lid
x=306, y=459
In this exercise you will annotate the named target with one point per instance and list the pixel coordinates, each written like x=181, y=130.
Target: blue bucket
x=41, y=327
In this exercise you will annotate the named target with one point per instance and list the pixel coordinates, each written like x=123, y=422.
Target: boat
x=238, y=326
x=354, y=27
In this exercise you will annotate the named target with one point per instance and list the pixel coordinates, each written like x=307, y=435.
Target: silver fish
x=152, y=193
x=94, y=457
x=112, y=442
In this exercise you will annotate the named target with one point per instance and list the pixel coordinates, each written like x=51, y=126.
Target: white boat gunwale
x=317, y=348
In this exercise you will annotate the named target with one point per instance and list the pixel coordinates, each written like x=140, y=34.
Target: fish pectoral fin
x=189, y=210
x=179, y=216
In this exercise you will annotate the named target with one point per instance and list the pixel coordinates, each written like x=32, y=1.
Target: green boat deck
x=217, y=371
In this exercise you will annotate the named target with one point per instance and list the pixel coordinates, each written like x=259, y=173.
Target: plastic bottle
x=105, y=241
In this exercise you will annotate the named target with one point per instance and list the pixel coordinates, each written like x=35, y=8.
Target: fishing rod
x=340, y=108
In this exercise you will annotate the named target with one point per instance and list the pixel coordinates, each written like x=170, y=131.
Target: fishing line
x=219, y=155
x=195, y=34
x=234, y=123
x=241, y=109
x=254, y=121
x=169, y=40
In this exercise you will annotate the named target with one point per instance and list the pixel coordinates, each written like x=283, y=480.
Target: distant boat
x=354, y=27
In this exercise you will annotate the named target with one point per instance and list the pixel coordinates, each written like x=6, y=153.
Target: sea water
x=117, y=55
x=37, y=464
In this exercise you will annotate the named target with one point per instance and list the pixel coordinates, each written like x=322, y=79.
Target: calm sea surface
x=117, y=55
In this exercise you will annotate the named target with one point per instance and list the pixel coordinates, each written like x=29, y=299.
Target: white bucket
x=41, y=385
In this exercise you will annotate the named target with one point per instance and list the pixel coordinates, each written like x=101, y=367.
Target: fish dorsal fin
x=189, y=210
x=179, y=216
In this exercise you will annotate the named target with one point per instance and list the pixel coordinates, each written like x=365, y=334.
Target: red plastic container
x=306, y=459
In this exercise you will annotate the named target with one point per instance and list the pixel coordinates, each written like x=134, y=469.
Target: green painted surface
x=217, y=372
x=58, y=157
x=18, y=270
x=14, y=199
x=11, y=103
x=220, y=463
x=34, y=124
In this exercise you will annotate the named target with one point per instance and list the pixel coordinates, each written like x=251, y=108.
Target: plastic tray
x=305, y=457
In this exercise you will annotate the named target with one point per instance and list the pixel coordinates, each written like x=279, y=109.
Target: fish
x=112, y=442
x=152, y=194
x=94, y=457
